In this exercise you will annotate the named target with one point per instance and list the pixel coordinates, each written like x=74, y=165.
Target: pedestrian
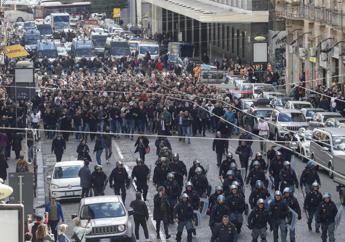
x=309, y=176
x=259, y=192
x=160, y=212
x=119, y=180
x=79, y=231
x=98, y=180
x=42, y=234
x=62, y=237
x=21, y=165
x=141, y=215
x=263, y=130
x=108, y=144
x=85, y=180
x=226, y=165
x=276, y=166
x=142, y=146
x=17, y=144
x=278, y=212
x=183, y=214
x=58, y=147
x=256, y=174
x=220, y=146
x=244, y=152
x=200, y=182
x=3, y=166
x=173, y=192
x=224, y=231
x=312, y=202
x=83, y=151
x=55, y=214
x=327, y=212
x=141, y=174
x=38, y=221
x=294, y=205
x=218, y=211
x=179, y=169
x=99, y=147
x=288, y=177
x=236, y=203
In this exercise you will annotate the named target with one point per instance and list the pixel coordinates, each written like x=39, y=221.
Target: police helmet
x=196, y=162
x=219, y=188
x=286, y=190
x=184, y=196
x=119, y=164
x=235, y=183
x=259, y=154
x=259, y=184
x=164, y=159
x=232, y=187
x=311, y=164
x=198, y=170
x=176, y=157
x=170, y=176
x=256, y=163
x=189, y=184
x=139, y=160
x=287, y=163
x=277, y=193
x=98, y=167
x=326, y=195
x=260, y=201
x=278, y=153
x=230, y=173
x=229, y=155
x=233, y=166
x=315, y=184
x=220, y=198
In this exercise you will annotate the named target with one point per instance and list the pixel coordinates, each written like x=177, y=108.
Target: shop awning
x=207, y=12
x=14, y=51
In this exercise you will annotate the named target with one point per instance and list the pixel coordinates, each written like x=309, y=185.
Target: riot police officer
x=230, y=178
x=255, y=174
x=237, y=172
x=183, y=214
x=218, y=211
x=294, y=205
x=194, y=198
x=288, y=177
x=200, y=182
x=312, y=202
x=225, y=166
x=262, y=162
x=160, y=172
x=278, y=211
x=119, y=180
x=161, y=211
x=258, y=220
x=173, y=192
x=326, y=216
x=275, y=167
x=192, y=169
x=141, y=173
x=212, y=200
x=99, y=180
x=236, y=203
x=179, y=168
x=260, y=192
x=309, y=176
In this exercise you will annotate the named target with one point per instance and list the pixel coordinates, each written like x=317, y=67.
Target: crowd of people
x=104, y=99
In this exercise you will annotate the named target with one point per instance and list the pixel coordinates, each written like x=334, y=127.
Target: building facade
x=220, y=28
x=315, y=41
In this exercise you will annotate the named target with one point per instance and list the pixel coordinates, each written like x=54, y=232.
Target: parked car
x=309, y=112
x=109, y=219
x=298, y=105
x=301, y=142
x=320, y=118
x=284, y=122
x=64, y=181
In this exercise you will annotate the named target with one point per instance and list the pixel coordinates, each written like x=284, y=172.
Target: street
x=200, y=149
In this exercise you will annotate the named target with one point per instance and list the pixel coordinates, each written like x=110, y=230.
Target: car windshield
x=301, y=105
x=291, y=117
x=120, y=52
x=263, y=113
x=84, y=52
x=153, y=50
x=66, y=172
x=102, y=210
x=31, y=39
x=133, y=45
x=50, y=53
x=99, y=41
x=45, y=29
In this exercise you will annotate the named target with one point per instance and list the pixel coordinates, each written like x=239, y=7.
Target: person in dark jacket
x=278, y=211
x=58, y=147
x=244, y=152
x=258, y=220
x=212, y=200
x=327, y=212
x=99, y=181
x=85, y=179
x=3, y=167
x=260, y=192
x=225, y=231
x=141, y=173
x=255, y=174
x=119, y=180
x=141, y=146
x=218, y=211
x=83, y=151
x=220, y=146
x=17, y=144
x=99, y=147
x=183, y=214
x=141, y=215
x=200, y=182
x=173, y=192
x=236, y=203
x=294, y=205
x=192, y=169
x=288, y=177
x=309, y=176
x=38, y=221
x=160, y=172
x=160, y=211
x=276, y=166
x=312, y=202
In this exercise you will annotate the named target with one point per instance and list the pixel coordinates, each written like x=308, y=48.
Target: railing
x=327, y=16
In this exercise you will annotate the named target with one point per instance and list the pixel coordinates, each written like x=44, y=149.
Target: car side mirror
x=130, y=212
x=73, y=216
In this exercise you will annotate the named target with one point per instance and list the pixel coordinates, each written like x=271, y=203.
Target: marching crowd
x=105, y=99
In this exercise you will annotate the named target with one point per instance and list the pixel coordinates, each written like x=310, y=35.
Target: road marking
x=163, y=239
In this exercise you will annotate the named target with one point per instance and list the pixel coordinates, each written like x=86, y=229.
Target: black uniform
x=217, y=213
x=200, y=184
x=58, y=147
x=140, y=216
x=192, y=173
x=160, y=212
x=288, y=178
x=180, y=170
x=159, y=174
x=256, y=194
x=258, y=220
x=255, y=175
x=326, y=217
x=262, y=162
x=173, y=192
x=99, y=180
x=225, y=166
x=224, y=233
x=278, y=211
x=212, y=201
x=118, y=180
x=236, y=204
x=194, y=198
x=294, y=205
x=312, y=202
x=141, y=174
x=274, y=170
x=309, y=175
x=184, y=213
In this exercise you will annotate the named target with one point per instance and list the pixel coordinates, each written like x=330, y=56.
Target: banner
x=117, y=12
x=14, y=51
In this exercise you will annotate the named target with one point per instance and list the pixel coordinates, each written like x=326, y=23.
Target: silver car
x=109, y=219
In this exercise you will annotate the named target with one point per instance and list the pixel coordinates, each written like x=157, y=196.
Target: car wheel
x=330, y=171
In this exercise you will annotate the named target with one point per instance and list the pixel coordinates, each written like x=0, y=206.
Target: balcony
x=333, y=17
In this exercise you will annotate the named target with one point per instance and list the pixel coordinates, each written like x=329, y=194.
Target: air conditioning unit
x=312, y=52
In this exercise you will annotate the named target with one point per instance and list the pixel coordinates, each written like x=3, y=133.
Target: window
x=232, y=40
x=228, y=38
x=238, y=41
x=223, y=36
x=66, y=172
x=103, y=210
x=219, y=37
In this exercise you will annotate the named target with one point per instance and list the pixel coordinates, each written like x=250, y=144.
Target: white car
x=62, y=51
x=298, y=105
x=65, y=181
x=301, y=142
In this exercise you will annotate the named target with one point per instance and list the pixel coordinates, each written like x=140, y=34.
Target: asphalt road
x=200, y=149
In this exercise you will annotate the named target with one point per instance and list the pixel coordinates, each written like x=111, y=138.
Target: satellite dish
x=5, y=191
